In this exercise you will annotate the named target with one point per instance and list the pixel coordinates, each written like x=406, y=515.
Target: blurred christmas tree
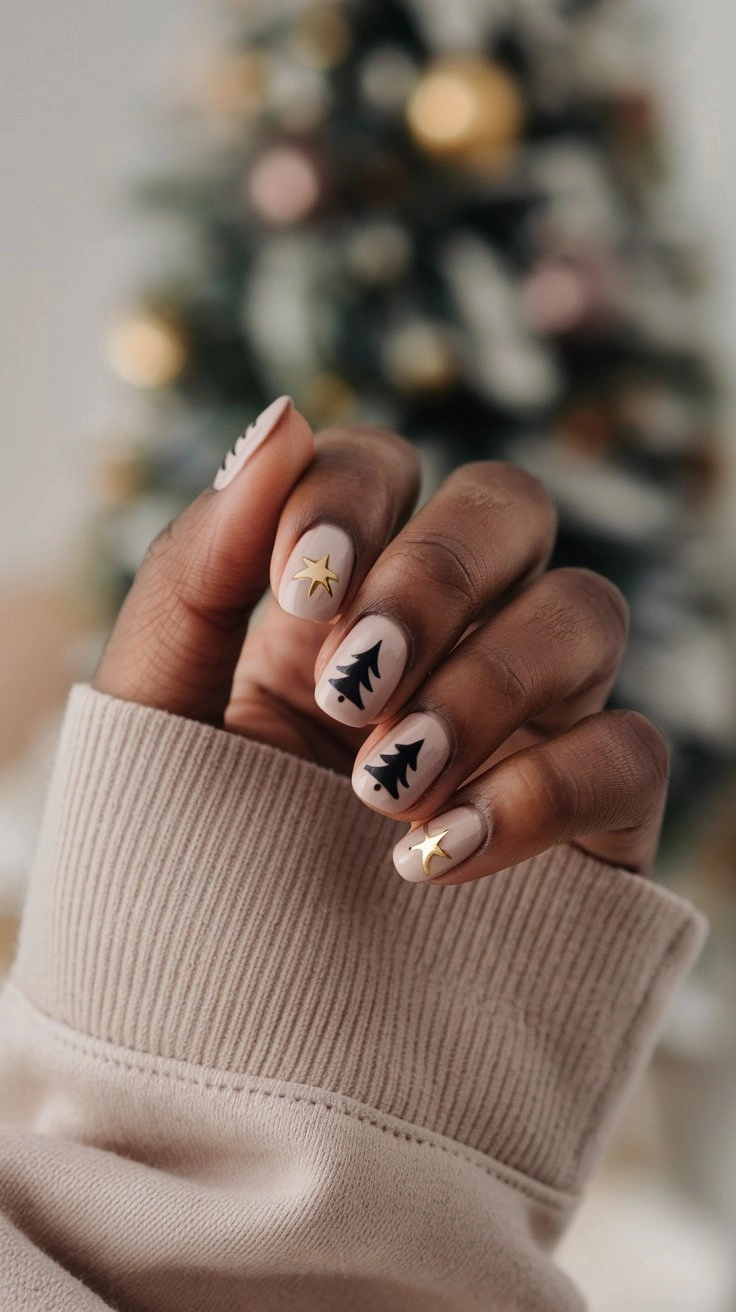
x=451, y=218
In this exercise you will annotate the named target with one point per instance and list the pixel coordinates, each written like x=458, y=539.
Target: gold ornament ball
x=322, y=38
x=379, y=252
x=464, y=105
x=297, y=95
x=146, y=348
x=387, y=77
x=418, y=357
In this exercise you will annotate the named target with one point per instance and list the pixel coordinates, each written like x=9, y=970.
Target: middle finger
x=553, y=652
x=490, y=527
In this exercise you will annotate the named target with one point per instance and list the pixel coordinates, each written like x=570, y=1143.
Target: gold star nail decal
x=431, y=847
x=319, y=574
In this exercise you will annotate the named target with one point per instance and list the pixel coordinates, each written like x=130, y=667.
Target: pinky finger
x=601, y=785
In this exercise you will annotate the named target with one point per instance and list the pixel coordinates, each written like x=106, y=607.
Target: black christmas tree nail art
x=396, y=766
x=364, y=672
x=404, y=763
x=356, y=678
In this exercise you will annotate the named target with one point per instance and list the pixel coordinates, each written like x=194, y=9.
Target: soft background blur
x=79, y=85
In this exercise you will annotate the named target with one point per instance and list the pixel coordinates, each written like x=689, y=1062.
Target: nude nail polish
x=404, y=764
x=364, y=671
x=249, y=441
x=440, y=845
x=317, y=574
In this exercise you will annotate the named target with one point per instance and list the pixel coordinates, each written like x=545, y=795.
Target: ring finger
x=601, y=785
x=548, y=658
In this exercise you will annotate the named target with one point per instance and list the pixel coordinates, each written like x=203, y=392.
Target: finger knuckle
x=182, y=580
x=496, y=483
x=514, y=681
x=447, y=561
x=369, y=442
x=595, y=594
x=579, y=601
x=222, y=619
x=548, y=778
x=645, y=745
x=505, y=512
x=512, y=481
x=521, y=485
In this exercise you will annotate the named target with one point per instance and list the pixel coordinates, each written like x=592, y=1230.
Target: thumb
x=180, y=630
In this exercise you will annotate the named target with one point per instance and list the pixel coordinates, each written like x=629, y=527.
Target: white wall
x=75, y=77
x=699, y=83
x=698, y=77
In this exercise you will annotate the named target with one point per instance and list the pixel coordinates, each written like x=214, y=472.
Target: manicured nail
x=249, y=441
x=317, y=573
x=403, y=764
x=364, y=672
x=440, y=845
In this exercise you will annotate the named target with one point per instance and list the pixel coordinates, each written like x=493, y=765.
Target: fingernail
x=317, y=573
x=364, y=671
x=249, y=441
x=403, y=764
x=440, y=845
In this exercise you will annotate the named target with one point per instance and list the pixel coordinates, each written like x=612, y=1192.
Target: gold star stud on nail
x=319, y=574
x=431, y=847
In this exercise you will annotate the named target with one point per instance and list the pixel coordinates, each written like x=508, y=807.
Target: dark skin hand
x=516, y=661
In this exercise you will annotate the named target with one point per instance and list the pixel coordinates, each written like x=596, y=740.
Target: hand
x=484, y=672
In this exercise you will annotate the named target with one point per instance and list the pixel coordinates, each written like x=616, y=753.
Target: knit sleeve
x=244, y=1061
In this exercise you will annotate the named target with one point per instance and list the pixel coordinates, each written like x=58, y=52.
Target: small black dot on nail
x=376, y=788
x=341, y=699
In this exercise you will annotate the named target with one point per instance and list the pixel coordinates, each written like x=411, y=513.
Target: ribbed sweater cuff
x=203, y=897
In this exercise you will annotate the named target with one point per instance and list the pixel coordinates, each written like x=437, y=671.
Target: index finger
x=177, y=639
x=360, y=488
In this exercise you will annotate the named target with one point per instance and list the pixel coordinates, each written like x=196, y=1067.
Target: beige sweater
x=245, y=1066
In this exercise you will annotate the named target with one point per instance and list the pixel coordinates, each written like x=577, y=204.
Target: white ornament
x=379, y=251
x=579, y=198
x=297, y=94
x=387, y=78
x=600, y=499
x=611, y=47
x=288, y=323
x=484, y=291
x=520, y=375
x=504, y=361
x=462, y=25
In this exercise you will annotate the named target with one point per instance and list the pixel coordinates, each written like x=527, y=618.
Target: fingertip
x=278, y=439
x=289, y=447
x=429, y=852
x=299, y=431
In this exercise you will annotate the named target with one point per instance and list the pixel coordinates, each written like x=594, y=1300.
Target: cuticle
x=376, y=612
x=380, y=613
x=424, y=708
x=311, y=524
x=485, y=811
x=421, y=709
